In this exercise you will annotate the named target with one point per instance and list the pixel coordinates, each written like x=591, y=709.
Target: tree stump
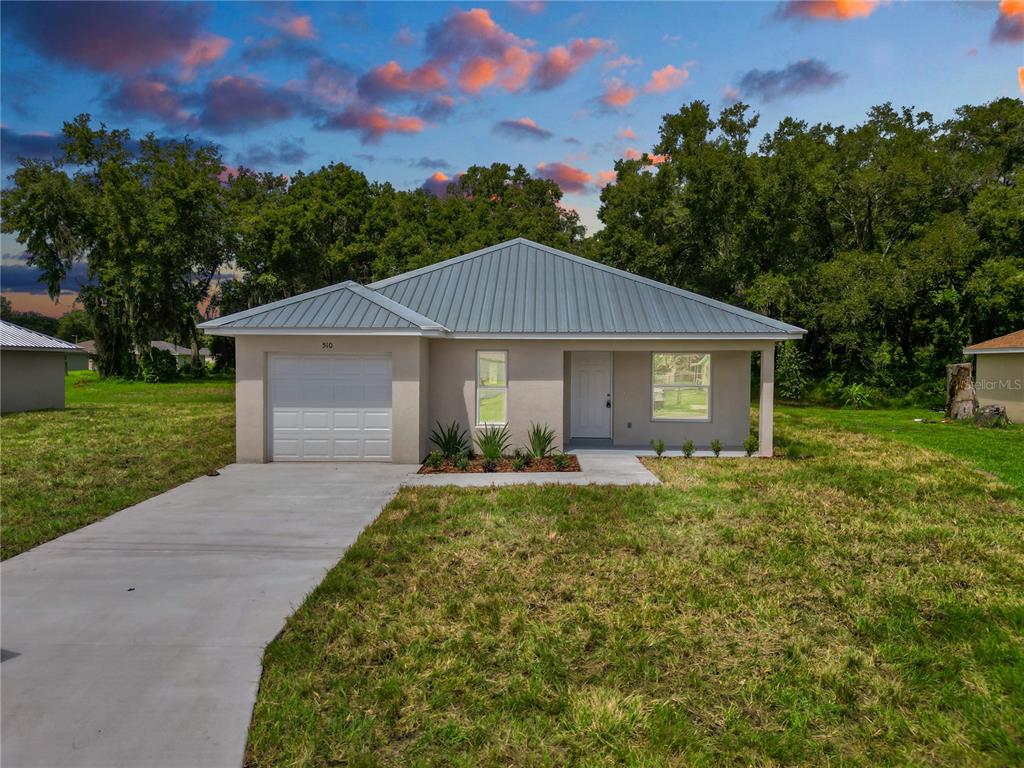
x=991, y=416
x=961, y=400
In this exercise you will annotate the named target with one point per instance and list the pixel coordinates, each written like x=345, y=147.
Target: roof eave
x=995, y=351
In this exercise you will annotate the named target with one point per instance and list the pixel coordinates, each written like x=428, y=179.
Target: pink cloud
x=632, y=154
x=296, y=27
x=1009, y=27
x=390, y=79
x=621, y=62
x=604, y=178
x=523, y=127
x=730, y=94
x=625, y=133
x=405, y=37
x=666, y=79
x=149, y=96
x=437, y=183
x=202, y=52
x=528, y=6
x=372, y=123
x=1020, y=78
x=568, y=178
x=617, y=94
x=560, y=62
x=835, y=10
x=478, y=73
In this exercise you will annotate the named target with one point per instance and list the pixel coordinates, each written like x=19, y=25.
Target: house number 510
x=327, y=345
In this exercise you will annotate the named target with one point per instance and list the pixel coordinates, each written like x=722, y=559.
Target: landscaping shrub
x=462, y=462
x=716, y=446
x=492, y=442
x=658, y=446
x=518, y=463
x=688, y=448
x=855, y=396
x=750, y=444
x=541, y=439
x=435, y=460
x=561, y=461
x=159, y=365
x=489, y=465
x=451, y=440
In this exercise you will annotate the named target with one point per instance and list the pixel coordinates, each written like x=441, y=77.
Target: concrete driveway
x=137, y=641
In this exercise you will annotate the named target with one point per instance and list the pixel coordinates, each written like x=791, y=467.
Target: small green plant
x=451, y=440
x=561, y=461
x=658, y=446
x=435, y=460
x=518, y=463
x=542, y=440
x=855, y=396
x=688, y=448
x=716, y=446
x=462, y=462
x=492, y=442
x=750, y=444
x=159, y=365
x=489, y=465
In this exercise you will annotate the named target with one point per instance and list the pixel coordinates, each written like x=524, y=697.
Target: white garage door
x=330, y=408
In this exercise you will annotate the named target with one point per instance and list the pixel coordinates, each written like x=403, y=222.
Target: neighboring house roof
x=1011, y=342
x=174, y=349
x=516, y=288
x=14, y=337
x=89, y=346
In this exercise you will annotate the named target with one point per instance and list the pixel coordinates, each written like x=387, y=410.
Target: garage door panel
x=330, y=407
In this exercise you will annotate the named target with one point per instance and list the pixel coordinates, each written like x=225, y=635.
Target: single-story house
x=182, y=355
x=32, y=369
x=79, y=360
x=513, y=334
x=999, y=373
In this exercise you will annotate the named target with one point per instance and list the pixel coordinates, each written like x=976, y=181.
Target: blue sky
x=403, y=91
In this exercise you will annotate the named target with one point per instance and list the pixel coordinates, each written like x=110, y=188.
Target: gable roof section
x=522, y=287
x=14, y=337
x=345, y=306
x=1011, y=342
x=516, y=288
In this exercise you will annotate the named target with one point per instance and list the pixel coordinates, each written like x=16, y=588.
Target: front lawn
x=858, y=606
x=116, y=444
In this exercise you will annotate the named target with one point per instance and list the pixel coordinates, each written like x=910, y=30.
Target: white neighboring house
x=32, y=368
x=182, y=355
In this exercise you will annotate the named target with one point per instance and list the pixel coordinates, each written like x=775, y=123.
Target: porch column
x=766, y=412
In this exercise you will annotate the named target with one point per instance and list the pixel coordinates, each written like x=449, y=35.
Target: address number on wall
x=327, y=345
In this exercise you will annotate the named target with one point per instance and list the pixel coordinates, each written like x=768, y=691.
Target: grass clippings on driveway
x=116, y=444
x=858, y=607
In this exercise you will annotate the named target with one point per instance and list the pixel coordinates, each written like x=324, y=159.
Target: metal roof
x=514, y=288
x=522, y=287
x=346, y=305
x=15, y=337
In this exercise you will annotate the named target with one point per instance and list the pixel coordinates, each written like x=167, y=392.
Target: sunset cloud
x=560, y=62
x=621, y=62
x=137, y=37
x=152, y=97
x=568, y=178
x=437, y=183
x=804, y=76
x=241, y=102
x=523, y=128
x=1009, y=27
x=836, y=10
x=391, y=80
x=294, y=26
x=666, y=79
x=1020, y=78
x=617, y=94
x=291, y=152
x=604, y=178
x=528, y=6
x=202, y=52
x=625, y=133
x=372, y=123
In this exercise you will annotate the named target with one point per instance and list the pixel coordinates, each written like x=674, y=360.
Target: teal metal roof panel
x=522, y=287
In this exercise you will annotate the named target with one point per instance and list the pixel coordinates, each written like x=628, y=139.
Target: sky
x=414, y=93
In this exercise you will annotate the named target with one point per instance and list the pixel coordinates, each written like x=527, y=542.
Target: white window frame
x=695, y=419
x=479, y=388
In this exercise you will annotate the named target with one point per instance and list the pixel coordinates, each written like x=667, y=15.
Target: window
x=491, y=387
x=680, y=386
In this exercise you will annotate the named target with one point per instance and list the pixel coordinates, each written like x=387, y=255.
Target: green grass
x=999, y=451
x=860, y=606
x=683, y=404
x=492, y=409
x=115, y=444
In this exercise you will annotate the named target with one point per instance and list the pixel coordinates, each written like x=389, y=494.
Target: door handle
x=608, y=402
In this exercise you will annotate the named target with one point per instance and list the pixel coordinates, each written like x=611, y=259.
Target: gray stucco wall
x=31, y=381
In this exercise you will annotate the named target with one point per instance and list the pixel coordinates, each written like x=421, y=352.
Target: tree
x=148, y=219
x=75, y=326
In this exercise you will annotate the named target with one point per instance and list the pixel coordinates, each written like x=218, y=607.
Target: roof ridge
x=263, y=308
x=396, y=307
x=389, y=281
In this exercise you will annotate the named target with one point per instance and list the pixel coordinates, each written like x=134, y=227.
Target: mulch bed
x=502, y=465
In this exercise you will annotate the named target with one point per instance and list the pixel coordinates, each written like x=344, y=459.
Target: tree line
x=894, y=242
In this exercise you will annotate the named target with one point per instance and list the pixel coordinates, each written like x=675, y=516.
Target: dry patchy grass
x=860, y=606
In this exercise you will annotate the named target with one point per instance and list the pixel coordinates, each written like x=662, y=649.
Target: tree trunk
x=961, y=401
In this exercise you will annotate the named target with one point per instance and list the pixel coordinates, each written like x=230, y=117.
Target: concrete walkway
x=137, y=641
x=600, y=466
